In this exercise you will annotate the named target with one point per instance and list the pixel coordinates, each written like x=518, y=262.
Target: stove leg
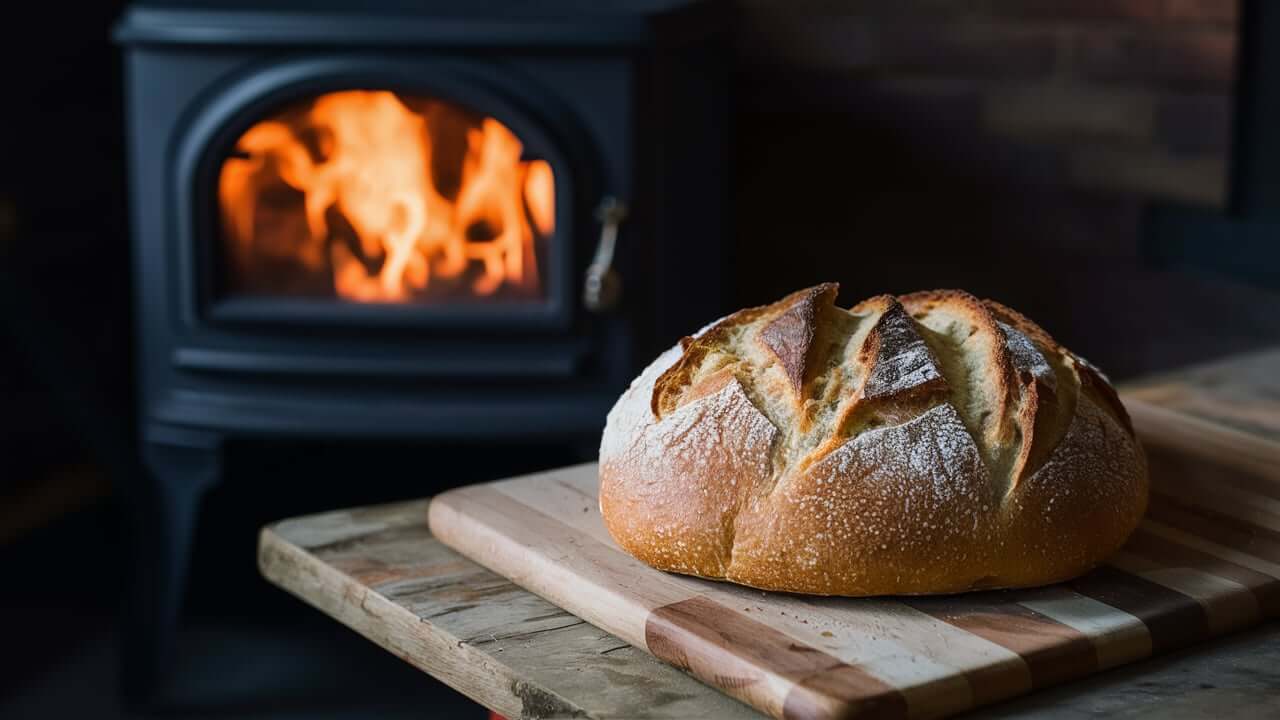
x=181, y=467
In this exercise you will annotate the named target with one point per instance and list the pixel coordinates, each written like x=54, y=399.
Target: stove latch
x=603, y=285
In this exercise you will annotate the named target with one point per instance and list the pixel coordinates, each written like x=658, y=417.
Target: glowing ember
x=396, y=204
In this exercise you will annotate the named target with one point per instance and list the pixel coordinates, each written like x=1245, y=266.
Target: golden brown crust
x=789, y=335
x=898, y=359
x=929, y=443
x=1093, y=383
x=1024, y=325
x=696, y=349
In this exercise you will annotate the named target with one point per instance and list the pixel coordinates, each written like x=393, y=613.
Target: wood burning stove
x=405, y=220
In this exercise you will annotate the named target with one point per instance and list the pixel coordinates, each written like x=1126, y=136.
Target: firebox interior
x=373, y=196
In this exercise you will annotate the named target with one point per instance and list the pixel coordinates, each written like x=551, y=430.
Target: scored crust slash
x=927, y=443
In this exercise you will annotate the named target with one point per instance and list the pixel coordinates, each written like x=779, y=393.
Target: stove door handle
x=602, y=287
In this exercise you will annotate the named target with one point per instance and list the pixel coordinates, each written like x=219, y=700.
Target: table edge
x=423, y=645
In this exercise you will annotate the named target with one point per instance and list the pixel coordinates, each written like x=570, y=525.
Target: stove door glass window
x=377, y=197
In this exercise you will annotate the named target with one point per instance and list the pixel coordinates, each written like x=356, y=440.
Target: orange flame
x=365, y=159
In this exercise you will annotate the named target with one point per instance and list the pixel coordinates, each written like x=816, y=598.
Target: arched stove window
x=379, y=197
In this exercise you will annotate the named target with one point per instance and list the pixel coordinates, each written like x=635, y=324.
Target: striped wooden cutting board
x=1205, y=562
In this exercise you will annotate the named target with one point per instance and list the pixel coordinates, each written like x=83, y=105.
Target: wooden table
x=379, y=571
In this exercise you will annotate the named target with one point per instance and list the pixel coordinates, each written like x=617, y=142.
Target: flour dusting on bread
x=902, y=359
x=1026, y=356
x=631, y=413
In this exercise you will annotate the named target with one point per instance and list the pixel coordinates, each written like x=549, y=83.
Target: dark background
x=1015, y=149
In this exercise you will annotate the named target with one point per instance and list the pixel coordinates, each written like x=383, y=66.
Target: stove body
x=395, y=221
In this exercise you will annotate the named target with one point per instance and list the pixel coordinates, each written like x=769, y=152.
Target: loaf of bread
x=929, y=443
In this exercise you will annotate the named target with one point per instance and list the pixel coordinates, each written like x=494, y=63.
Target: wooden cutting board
x=1206, y=561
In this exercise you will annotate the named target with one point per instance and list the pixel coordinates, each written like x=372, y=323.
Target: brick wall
x=1121, y=95
x=1009, y=147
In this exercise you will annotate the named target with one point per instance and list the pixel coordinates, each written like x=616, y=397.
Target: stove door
x=378, y=192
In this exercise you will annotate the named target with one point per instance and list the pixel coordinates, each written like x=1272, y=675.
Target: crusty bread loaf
x=930, y=443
